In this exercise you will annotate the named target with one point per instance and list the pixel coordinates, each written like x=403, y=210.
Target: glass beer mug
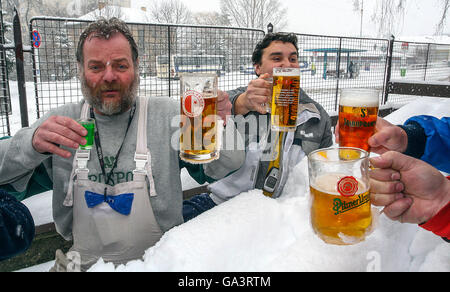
x=199, y=140
x=285, y=95
x=340, y=193
x=358, y=112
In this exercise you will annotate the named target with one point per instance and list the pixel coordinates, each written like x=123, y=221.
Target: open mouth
x=110, y=93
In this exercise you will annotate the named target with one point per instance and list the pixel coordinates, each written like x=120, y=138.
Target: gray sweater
x=19, y=162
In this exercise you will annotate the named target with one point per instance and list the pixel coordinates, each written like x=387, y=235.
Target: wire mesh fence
x=333, y=63
x=5, y=99
x=422, y=62
x=166, y=51
x=328, y=63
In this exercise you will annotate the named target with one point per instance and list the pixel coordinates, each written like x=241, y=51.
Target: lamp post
x=362, y=13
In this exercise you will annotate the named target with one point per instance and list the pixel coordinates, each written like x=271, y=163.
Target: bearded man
x=117, y=199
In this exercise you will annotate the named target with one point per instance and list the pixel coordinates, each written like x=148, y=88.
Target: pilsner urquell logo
x=340, y=206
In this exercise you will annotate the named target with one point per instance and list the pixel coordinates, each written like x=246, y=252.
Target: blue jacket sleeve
x=437, y=147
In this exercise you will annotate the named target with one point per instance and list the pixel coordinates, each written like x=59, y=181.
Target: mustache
x=109, y=87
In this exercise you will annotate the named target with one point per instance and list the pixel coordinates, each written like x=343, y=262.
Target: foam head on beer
x=359, y=98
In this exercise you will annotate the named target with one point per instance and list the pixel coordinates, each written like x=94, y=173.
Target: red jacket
x=440, y=223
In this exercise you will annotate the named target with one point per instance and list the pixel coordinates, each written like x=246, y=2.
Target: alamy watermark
x=374, y=264
x=241, y=133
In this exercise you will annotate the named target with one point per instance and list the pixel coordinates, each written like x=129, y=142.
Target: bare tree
x=108, y=12
x=255, y=13
x=443, y=17
x=210, y=18
x=389, y=16
x=25, y=9
x=170, y=11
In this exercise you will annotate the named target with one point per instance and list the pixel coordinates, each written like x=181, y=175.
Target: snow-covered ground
x=254, y=233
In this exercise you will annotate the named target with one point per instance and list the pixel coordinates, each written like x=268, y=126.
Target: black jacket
x=16, y=226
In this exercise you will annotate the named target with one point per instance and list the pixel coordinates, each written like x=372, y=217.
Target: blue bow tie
x=121, y=203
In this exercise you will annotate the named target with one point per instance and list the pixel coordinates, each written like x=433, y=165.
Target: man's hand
x=411, y=190
x=59, y=131
x=223, y=106
x=254, y=99
x=387, y=137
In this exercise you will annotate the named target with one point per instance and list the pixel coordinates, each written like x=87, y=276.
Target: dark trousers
x=197, y=205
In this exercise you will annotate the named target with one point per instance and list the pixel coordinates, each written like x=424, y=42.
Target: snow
x=254, y=233
x=442, y=39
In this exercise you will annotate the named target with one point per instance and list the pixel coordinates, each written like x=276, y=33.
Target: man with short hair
x=270, y=156
x=116, y=200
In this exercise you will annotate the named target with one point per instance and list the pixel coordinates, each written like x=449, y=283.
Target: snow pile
x=254, y=233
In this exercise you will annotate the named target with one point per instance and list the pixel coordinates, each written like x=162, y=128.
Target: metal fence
x=333, y=63
x=165, y=51
x=328, y=63
x=418, y=62
x=5, y=99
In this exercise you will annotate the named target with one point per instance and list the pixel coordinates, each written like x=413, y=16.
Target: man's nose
x=285, y=63
x=110, y=75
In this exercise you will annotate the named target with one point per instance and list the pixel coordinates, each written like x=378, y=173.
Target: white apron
x=101, y=231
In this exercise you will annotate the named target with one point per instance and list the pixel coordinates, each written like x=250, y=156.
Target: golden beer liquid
x=202, y=129
x=284, y=107
x=356, y=126
x=337, y=219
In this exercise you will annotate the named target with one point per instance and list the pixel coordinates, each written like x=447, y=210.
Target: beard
x=93, y=96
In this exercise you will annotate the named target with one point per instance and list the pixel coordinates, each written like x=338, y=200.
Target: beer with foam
x=358, y=112
x=340, y=195
x=285, y=95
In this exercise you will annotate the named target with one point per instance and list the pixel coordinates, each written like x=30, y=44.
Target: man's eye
x=94, y=67
x=122, y=67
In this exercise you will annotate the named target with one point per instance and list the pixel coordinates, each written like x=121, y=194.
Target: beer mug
x=286, y=91
x=358, y=112
x=340, y=195
x=199, y=140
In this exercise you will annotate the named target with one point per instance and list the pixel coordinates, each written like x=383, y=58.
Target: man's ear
x=80, y=70
x=136, y=64
x=257, y=69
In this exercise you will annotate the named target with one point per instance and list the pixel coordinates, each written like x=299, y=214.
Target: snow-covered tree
x=255, y=13
x=445, y=7
x=170, y=11
x=389, y=16
x=8, y=40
